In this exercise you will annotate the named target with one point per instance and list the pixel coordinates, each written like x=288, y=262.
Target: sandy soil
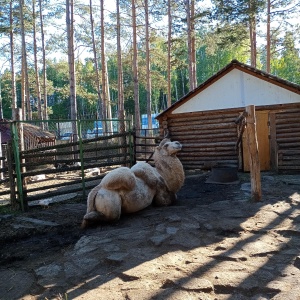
x=213, y=243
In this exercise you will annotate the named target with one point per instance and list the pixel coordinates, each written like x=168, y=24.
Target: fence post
x=253, y=153
x=133, y=147
x=15, y=140
x=12, y=185
x=79, y=129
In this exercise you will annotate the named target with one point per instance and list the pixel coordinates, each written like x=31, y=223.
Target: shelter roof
x=234, y=65
x=30, y=130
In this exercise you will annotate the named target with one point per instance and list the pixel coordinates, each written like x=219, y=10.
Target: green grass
x=7, y=209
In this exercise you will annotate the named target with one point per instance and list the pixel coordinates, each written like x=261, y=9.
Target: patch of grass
x=7, y=209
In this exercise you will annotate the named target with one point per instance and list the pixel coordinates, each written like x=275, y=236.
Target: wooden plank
x=12, y=183
x=289, y=145
x=204, y=135
x=209, y=153
x=284, y=140
x=288, y=119
x=293, y=162
x=206, y=119
x=205, y=115
x=287, y=130
x=288, y=126
x=207, y=158
x=185, y=127
x=206, y=145
x=285, y=115
x=216, y=162
x=287, y=168
x=294, y=134
x=289, y=152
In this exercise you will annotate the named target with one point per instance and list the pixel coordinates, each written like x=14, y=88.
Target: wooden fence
x=63, y=169
x=5, y=176
x=72, y=167
x=145, y=144
x=66, y=169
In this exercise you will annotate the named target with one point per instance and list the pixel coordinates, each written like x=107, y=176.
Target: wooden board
x=262, y=129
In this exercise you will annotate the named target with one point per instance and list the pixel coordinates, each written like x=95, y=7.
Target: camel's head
x=166, y=147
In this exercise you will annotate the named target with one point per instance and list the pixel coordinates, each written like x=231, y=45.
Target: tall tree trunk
x=193, y=44
x=45, y=106
x=121, y=115
x=37, y=77
x=26, y=93
x=169, y=52
x=182, y=82
x=23, y=92
x=12, y=64
x=268, y=67
x=103, y=68
x=71, y=61
x=109, y=113
x=100, y=112
x=176, y=90
x=135, y=68
x=252, y=25
x=105, y=83
x=148, y=68
x=190, y=44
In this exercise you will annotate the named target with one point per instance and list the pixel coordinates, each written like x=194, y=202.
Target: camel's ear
x=163, y=142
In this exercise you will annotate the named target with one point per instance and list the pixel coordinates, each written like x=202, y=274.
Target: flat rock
x=159, y=239
x=117, y=257
x=16, y=283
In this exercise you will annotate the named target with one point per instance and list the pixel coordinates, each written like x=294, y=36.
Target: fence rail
x=145, y=144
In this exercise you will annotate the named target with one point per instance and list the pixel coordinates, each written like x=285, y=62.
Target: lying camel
x=125, y=190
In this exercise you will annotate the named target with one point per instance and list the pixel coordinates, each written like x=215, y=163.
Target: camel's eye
x=166, y=145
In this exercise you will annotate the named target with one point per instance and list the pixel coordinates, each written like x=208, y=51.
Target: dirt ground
x=213, y=243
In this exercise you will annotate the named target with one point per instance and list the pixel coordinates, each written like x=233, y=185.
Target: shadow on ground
x=213, y=243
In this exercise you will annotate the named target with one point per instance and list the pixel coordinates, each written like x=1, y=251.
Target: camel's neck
x=171, y=170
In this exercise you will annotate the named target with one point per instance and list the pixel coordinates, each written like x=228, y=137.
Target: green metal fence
x=60, y=159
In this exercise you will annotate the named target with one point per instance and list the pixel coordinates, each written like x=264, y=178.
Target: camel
x=128, y=190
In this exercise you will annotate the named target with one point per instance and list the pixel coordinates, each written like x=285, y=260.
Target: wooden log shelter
x=204, y=121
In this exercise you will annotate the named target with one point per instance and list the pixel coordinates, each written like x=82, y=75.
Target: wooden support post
x=253, y=153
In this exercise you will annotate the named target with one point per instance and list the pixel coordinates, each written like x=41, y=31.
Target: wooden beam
x=253, y=153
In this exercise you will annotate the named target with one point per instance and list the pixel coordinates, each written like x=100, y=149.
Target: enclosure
x=44, y=162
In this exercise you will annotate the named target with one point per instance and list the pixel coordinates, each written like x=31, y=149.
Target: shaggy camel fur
x=125, y=190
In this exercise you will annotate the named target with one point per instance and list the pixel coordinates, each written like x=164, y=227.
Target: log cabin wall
x=208, y=138
x=288, y=140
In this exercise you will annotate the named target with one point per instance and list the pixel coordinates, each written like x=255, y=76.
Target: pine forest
x=88, y=59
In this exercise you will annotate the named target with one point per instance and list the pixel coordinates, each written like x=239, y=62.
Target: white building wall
x=238, y=89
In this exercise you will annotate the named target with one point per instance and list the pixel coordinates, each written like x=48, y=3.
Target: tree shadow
x=209, y=226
